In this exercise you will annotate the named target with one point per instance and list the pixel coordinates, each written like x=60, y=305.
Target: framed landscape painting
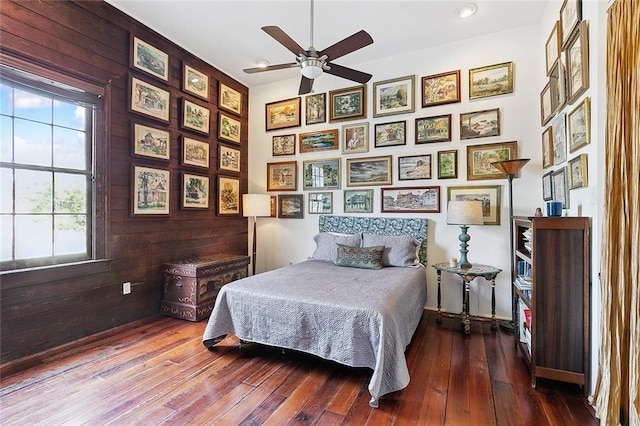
x=228, y=158
x=440, y=89
x=348, y=104
x=321, y=202
x=579, y=125
x=282, y=114
x=195, y=153
x=425, y=199
x=149, y=59
x=448, y=164
x=291, y=206
x=229, y=99
x=489, y=195
x=414, y=167
x=358, y=200
x=194, y=117
x=560, y=187
x=315, y=108
x=195, y=191
x=149, y=100
x=433, y=129
x=151, y=142
x=559, y=136
x=578, y=172
x=321, y=174
x=229, y=129
x=150, y=191
x=492, y=80
x=394, y=96
x=195, y=82
x=228, y=196
x=391, y=134
x=480, y=124
x=283, y=145
x=480, y=157
x=282, y=176
x=319, y=141
x=369, y=171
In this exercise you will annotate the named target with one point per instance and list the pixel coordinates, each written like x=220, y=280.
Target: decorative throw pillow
x=326, y=249
x=399, y=250
x=360, y=257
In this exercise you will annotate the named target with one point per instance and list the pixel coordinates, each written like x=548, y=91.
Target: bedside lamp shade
x=255, y=205
x=464, y=213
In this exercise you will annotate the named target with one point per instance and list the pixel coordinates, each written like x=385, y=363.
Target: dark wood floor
x=158, y=372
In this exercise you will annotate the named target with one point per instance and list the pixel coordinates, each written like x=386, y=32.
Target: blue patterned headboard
x=376, y=225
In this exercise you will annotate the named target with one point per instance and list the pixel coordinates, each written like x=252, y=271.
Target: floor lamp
x=511, y=168
x=255, y=205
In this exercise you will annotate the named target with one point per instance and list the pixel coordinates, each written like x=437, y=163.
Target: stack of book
x=528, y=239
x=523, y=283
x=525, y=329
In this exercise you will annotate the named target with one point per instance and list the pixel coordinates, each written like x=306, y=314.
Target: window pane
x=6, y=139
x=32, y=106
x=6, y=99
x=69, y=115
x=70, y=235
x=70, y=193
x=33, y=192
x=6, y=237
x=6, y=191
x=69, y=149
x=33, y=236
x=32, y=143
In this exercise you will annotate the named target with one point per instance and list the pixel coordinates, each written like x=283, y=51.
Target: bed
x=349, y=314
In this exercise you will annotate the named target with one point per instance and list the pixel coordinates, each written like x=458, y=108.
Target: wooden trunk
x=190, y=286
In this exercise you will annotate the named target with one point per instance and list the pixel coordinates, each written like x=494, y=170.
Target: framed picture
x=228, y=196
x=358, y=200
x=489, y=195
x=578, y=172
x=151, y=142
x=150, y=191
x=273, y=206
x=413, y=167
x=547, y=104
x=547, y=147
x=195, y=191
x=228, y=159
x=552, y=47
x=282, y=176
x=348, y=104
x=195, y=152
x=195, y=82
x=315, y=108
x=570, y=16
x=321, y=202
x=282, y=114
x=283, y=145
x=480, y=157
x=149, y=100
x=577, y=58
x=440, y=89
x=149, y=59
x=390, y=134
x=355, y=138
x=433, y=129
x=579, y=125
x=559, y=135
x=480, y=124
x=492, y=80
x=394, y=96
x=229, y=99
x=291, y=206
x=558, y=85
x=229, y=129
x=323, y=173
x=319, y=141
x=194, y=117
x=369, y=171
x=547, y=191
x=425, y=199
x=448, y=164
x=559, y=186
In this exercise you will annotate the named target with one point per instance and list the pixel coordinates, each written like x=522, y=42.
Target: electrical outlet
x=126, y=287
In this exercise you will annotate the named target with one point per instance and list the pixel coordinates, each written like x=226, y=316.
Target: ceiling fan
x=312, y=62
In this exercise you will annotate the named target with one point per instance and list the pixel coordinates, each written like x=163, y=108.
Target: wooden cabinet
x=190, y=286
x=551, y=296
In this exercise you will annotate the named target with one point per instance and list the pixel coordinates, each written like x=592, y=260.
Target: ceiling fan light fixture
x=311, y=67
x=263, y=63
x=467, y=11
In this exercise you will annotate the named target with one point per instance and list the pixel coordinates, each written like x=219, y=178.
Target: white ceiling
x=227, y=34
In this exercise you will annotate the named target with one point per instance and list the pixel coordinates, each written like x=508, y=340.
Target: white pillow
x=326, y=245
x=399, y=250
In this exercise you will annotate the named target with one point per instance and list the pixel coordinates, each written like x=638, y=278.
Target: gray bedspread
x=357, y=317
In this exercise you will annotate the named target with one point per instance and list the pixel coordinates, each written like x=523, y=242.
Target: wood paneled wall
x=91, y=39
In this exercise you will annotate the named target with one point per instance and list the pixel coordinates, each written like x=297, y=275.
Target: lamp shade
x=254, y=205
x=510, y=167
x=465, y=213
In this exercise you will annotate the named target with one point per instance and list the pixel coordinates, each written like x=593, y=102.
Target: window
x=48, y=211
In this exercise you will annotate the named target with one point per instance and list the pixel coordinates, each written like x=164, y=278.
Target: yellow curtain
x=616, y=396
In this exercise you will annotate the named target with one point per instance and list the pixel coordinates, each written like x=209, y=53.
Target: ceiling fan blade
x=348, y=73
x=347, y=45
x=305, y=85
x=271, y=68
x=282, y=38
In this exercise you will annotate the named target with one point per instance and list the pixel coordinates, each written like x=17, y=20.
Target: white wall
x=282, y=241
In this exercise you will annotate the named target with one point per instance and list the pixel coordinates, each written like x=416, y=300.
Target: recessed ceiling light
x=262, y=63
x=466, y=11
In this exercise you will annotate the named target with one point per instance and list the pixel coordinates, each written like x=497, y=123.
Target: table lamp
x=464, y=213
x=511, y=168
x=255, y=205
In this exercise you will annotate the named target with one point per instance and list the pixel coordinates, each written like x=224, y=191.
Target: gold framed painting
x=492, y=80
x=319, y=141
x=577, y=59
x=348, y=104
x=282, y=176
x=489, y=195
x=395, y=96
x=229, y=99
x=440, y=89
x=228, y=196
x=282, y=114
x=578, y=172
x=547, y=147
x=579, y=125
x=480, y=157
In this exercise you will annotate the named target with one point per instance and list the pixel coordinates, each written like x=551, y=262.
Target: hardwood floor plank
x=152, y=375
